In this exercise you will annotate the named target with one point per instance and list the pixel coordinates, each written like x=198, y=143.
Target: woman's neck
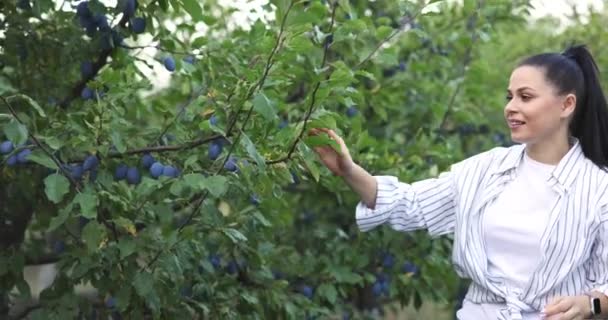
x=549, y=152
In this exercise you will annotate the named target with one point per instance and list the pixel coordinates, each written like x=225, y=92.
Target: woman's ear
x=569, y=105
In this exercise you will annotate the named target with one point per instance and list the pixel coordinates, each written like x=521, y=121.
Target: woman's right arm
x=427, y=204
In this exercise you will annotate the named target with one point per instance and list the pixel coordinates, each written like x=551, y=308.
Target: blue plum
x=156, y=170
x=133, y=176
x=169, y=63
x=6, y=147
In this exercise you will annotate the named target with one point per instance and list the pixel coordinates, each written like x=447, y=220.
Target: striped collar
x=564, y=173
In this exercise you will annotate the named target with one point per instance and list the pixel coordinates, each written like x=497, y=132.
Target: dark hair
x=575, y=71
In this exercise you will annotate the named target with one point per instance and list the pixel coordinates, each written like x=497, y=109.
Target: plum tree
x=184, y=237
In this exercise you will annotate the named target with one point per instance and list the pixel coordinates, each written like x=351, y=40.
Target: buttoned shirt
x=574, y=250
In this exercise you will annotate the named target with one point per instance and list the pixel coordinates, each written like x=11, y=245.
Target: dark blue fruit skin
x=214, y=150
x=111, y=302
x=230, y=165
x=213, y=120
x=11, y=161
x=215, y=261
x=410, y=268
x=351, y=111
x=169, y=63
x=170, y=171
x=388, y=260
x=90, y=163
x=76, y=171
x=147, y=160
x=23, y=155
x=232, y=267
x=138, y=25
x=121, y=172
x=133, y=176
x=130, y=6
x=59, y=247
x=6, y=147
x=307, y=291
x=189, y=59
x=87, y=93
x=24, y=4
x=86, y=69
x=156, y=170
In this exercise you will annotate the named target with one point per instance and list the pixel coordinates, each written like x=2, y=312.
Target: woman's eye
x=508, y=98
x=525, y=98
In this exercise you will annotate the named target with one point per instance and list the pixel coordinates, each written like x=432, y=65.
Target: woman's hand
x=568, y=308
x=340, y=164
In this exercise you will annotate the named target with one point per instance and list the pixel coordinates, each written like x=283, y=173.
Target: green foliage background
x=428, y=87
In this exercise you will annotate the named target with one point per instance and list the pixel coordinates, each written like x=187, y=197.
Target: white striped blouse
x=574, y=257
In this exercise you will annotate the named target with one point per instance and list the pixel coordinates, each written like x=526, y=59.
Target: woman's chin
x=519, y=139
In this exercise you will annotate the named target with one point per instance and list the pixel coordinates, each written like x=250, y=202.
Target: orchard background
x=202, y=199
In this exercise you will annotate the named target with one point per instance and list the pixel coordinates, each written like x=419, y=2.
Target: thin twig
x=466, y=61
x=39, y=145
x=259, y=85
x=313, y=95
x=406, y=20
x=101, y=61
x=191, y=98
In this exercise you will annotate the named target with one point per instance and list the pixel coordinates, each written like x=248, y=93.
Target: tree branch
x=97, y=65
x=39, y=145
x=314, y=92
x=201, y=198
x=467, y=58
x=406, y=20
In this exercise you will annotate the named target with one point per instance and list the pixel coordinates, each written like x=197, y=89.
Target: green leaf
x=87, y=201
x=143, y=282
x=328, y=292
x=263, y=106
x=194, y=9
x=344, y=275
x=217, y=185
x=320, y=141
x=260, y=218
x=252, y=151
x=92, y=234
x=234, y=235
x=118, y=141
x=16, y=132
x=60, y=219
x=383, y=32
x=310, y=159
x=126, y=247
x=39, y=157
x=32, y=103
x=56, y=186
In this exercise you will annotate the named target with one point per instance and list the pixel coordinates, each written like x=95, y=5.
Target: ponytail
x=575, y=71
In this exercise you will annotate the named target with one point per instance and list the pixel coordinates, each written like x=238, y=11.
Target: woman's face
x=535, y=112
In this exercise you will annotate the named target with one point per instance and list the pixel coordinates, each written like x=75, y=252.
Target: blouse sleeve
x=597, y=272
x=427, y=204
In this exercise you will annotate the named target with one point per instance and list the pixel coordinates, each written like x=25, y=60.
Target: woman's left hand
x=568, y=308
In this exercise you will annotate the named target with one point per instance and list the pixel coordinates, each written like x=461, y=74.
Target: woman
x=530, y=222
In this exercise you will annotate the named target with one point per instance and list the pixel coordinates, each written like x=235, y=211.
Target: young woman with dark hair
x=530, y=222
